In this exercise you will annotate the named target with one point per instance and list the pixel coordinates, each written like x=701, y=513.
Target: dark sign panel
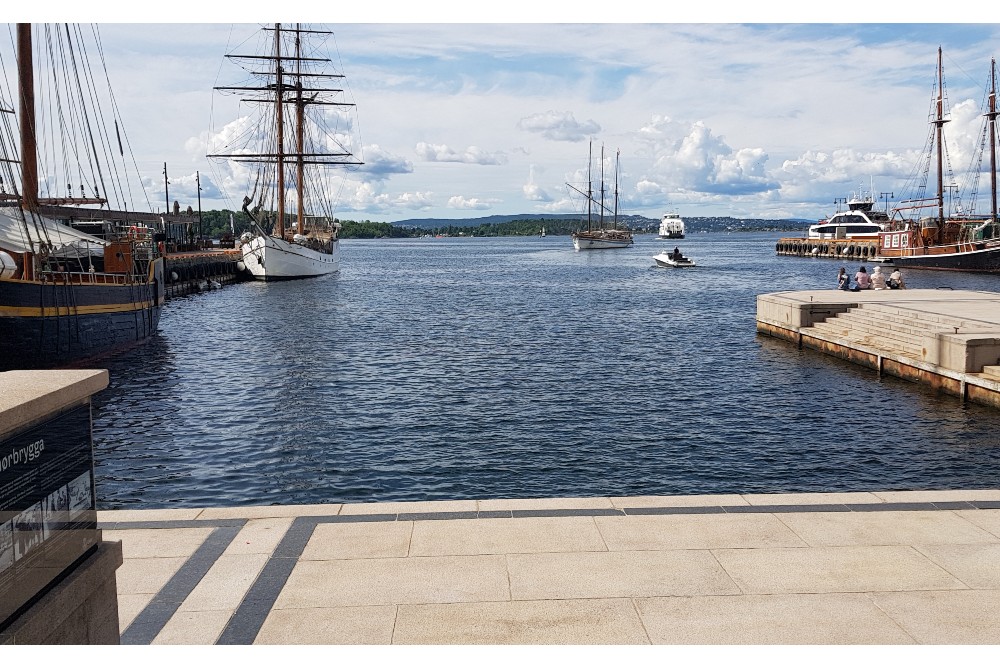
x=48, y=517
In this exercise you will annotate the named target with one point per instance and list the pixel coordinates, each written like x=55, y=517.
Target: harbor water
x=515, y=368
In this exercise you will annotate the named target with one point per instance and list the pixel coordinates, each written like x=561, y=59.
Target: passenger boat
x=671, y=259
x=292, y=142
x=671, y=226
x=861, y=221
x=603, y=233
x=68, y=296
x=960, y=241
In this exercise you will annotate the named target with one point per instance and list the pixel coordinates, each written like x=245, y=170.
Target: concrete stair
x=991, y=372
x=891, y=329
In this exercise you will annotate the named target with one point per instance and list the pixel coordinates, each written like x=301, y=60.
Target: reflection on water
x=477, y=368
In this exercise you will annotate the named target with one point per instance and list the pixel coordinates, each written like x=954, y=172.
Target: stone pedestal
x=57, y=575
x=80, y=609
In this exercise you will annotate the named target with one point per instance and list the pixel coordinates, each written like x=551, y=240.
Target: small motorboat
x=672, y=259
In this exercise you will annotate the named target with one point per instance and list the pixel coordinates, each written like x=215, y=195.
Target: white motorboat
x=669, y=259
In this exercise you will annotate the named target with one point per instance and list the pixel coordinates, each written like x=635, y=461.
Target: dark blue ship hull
x=983, y=260
x=48, y=325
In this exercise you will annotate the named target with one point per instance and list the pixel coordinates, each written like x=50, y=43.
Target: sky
x=713, y=111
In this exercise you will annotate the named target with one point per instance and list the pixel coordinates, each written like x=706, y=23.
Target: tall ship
x=602, y=232
x=293, y=138
x=671, y=226
x=80, y=275
x=960, y=240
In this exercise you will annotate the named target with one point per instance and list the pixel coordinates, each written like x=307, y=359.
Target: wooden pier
x=945, y=339
x=202, y=270
x=846, y=249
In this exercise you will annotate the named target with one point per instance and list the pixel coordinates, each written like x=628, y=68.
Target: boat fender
x=8, y=267
x=173, y=276
x=240, y=266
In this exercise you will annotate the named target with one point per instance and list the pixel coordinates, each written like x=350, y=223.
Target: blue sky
x=466, y=115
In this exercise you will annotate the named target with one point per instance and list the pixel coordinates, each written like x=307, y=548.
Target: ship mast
x=280, y=129
x=992, y=115
x=939, y=123
x=300, y=121
x=297, y=85
x=600, y=209
x=617, y=162
x=26, y=81
x=590, y=182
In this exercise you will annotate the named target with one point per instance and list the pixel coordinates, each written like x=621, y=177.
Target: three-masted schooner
x=78, y=279
x=292, y=137
x=603, y=233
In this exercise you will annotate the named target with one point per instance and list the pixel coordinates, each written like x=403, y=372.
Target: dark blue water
x=517, y=367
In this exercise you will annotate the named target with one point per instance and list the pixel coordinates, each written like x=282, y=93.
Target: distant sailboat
x=598, y=235
x=293, y=141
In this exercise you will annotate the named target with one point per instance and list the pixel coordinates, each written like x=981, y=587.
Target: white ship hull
x=270, y=258
x=594, y=242
x=671, y=226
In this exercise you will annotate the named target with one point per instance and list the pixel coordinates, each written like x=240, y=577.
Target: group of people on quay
x=875, y=280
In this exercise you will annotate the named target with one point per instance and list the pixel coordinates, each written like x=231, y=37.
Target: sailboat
x=295, y=140
x=78, y=279
x=957, y=242
x=599, y=235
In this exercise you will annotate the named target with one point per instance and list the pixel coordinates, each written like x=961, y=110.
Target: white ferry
x=860, y=221
x=672, y=226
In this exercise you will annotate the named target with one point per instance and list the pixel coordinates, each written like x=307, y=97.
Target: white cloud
x=471, y=155
x=559, y=126
x=380, y=163
x=472, y=203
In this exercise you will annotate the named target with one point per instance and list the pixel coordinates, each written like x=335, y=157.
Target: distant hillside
x=567, y=223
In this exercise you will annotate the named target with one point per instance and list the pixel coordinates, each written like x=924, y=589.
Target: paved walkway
x=843, y=568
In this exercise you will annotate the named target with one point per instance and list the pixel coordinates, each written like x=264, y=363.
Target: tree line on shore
x=216, y=224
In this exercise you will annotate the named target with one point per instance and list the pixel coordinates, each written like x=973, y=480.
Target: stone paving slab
x=842, y=568
x=707, y=531
x=834, y=570
x=830, y=618
x=601, y=621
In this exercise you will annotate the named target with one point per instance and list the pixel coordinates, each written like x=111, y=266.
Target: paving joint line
x=938, y=506
x=155, y=616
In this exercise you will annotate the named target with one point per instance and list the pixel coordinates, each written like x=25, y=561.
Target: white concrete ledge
x=28, y=397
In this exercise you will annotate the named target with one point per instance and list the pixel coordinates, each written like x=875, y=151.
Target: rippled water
x=517, y=367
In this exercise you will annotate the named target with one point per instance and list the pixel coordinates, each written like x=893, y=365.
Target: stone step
x=864, y=327
x=918, y=316
x=896, y=320
x=992, y=372
x=873, y=324
x=836, y=332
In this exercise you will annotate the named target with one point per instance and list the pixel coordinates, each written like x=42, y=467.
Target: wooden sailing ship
x=78, y=279
x=293, y=96
x=958, y=241
x=602, y=233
